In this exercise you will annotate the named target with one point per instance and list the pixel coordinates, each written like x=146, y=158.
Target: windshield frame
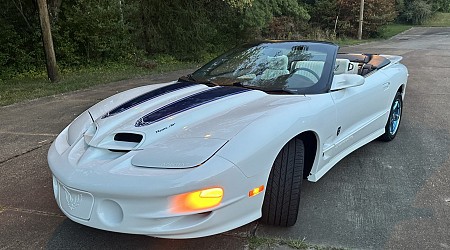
x=323, y=85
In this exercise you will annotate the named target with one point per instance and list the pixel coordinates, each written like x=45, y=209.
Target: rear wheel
x=393, y=122
x=282, y=197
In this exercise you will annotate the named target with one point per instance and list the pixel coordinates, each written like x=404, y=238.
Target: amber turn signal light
x=197, y=200
x=256, y=191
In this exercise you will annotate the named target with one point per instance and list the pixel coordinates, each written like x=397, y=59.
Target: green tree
x=20, y=39
x=417, y=12
x=186, y=29
x=239, y=4
x=89, y=31
x=257, y=18
x=440, y=5
x=377, y=13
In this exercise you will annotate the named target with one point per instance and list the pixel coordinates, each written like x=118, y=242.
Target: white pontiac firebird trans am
x=226, y=145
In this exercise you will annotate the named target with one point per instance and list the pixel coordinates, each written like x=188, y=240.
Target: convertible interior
x=361, y=64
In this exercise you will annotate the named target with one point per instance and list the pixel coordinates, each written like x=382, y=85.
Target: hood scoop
x=121, y=142
x=128, y=137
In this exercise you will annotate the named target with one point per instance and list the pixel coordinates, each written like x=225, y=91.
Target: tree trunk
x=52, y=69
x=361, y=17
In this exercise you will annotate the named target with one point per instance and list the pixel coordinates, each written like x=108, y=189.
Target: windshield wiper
x=278, y=91
x=187, y=78
x=190, y=78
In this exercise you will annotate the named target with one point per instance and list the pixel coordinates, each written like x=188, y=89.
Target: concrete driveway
x=383, y=196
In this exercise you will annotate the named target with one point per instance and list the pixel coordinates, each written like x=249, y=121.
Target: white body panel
x=232, y=143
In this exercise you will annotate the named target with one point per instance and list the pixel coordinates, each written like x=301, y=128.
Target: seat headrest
x=316, y=65
x=341, y=66
x=277, y=62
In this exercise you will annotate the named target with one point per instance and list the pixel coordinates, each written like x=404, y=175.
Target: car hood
x=179, y=125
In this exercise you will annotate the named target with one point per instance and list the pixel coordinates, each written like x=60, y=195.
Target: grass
x=393, y=29
x=33, y=85
x=261, y=242
x=386, y=32
x=351, y=41
x=438, y=20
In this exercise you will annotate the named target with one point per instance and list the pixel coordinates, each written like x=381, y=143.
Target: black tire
x=391, y=129
x=282, y=197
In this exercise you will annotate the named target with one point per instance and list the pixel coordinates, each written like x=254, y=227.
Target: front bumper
x=116, y=196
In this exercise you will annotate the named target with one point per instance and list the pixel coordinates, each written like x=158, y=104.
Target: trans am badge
x=73, y=201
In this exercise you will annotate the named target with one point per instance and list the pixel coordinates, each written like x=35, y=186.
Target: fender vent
x=128, y=137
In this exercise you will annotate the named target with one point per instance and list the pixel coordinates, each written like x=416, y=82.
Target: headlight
x=197, y=200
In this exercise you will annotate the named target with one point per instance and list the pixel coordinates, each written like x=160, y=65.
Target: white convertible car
x=226, y=145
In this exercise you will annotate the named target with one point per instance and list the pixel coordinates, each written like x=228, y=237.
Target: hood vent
x=128, y=137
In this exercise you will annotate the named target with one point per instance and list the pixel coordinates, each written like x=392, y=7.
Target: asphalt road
x=383, y=196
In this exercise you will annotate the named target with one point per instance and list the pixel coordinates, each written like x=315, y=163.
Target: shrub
x=90, y=31
x=417, y=12
x=376, y=14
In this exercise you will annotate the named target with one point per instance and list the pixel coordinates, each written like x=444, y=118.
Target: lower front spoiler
x=129, y=215
x=117, y=196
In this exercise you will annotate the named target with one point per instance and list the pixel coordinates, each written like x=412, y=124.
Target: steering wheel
x=307, y=70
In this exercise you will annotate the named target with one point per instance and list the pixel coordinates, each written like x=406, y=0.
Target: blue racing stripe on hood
x=187, y=103
x=148, y=96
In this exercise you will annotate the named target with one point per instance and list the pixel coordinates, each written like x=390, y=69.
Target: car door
x=360, y=112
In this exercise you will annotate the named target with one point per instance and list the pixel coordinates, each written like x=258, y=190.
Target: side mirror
x=344, y=81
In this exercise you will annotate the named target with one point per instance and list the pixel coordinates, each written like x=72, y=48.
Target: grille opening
x=119, y=150
x=128, y=137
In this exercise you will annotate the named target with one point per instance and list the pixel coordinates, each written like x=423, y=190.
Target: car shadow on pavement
x=70, y=235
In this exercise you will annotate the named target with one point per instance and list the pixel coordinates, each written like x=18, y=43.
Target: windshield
x=294, y=67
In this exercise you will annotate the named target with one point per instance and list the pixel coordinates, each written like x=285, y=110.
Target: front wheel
x=393, y=122
x=282, y=197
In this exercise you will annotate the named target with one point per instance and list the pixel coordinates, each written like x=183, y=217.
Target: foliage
x=440, y=5
x=264, y=13
x=417, y=12
x=91, y=30
x=342, y=16
x=324, y=14
x=94, y=32
x=400, y=5
x=439, y=20
x=19, y=38
x=186, y=29
x=239, y=4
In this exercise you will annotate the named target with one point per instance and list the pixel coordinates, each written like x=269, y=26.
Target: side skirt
x=316, y=176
